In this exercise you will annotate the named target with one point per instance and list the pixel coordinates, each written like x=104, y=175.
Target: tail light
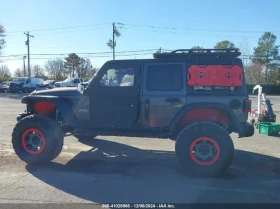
x=247, y=105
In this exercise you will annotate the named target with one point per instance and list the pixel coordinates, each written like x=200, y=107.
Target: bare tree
x=254, y=73
x=55, y=69
x=84, y=68
x=245, y=52
x=92, y=72
x=4, y=71
x=37, y=71
x=19, y=73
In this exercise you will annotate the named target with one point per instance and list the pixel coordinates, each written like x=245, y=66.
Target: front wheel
x=204, y=149
x=37, y=139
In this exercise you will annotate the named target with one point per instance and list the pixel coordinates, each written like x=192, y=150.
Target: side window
x=165, y=77
x=28, y=81
x=118, y=77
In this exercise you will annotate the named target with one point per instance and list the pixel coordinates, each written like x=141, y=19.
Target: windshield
x=68, y=79
x=19, y=79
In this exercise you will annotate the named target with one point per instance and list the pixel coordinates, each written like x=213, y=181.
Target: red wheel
x=204, y=151
x=33, y=141
x=37, y=139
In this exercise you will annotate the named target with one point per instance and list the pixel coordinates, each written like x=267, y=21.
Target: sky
x=85, y=26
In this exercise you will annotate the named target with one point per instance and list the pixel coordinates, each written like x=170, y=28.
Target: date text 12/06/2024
x=138, y=206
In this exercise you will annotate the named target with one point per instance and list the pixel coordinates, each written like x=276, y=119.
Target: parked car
x=4, y=87
x=69, y=82
x=24, y=84
x=85, y=84
x=48, y=84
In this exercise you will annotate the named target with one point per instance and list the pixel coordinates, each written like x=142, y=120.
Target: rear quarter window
x=165, y=77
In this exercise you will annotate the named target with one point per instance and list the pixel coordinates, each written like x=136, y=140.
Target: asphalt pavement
x=112, y=169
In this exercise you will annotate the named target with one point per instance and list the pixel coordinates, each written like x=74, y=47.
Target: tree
x=71, y=63
x=197, y=47
x=55, y=69
x=267, y=53
x=224, y=45
x=2, y=38
x=19, y=73
x=37, y=72
x=92, y=72
x=84, y=68
x=245, y=51
x=4, y=71
x=254, y=73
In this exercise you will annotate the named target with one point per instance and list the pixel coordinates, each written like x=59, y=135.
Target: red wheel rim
x=207, y=148
x=33, y=141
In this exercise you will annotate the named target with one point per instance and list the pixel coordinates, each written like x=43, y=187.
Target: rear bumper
x=246, y=130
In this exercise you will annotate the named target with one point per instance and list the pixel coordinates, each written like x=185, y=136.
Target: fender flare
x=64, y=108
x=235, y=123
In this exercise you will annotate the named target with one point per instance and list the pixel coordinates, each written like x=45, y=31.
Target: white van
x=24, y=84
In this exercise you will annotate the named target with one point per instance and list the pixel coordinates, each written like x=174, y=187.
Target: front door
x=114, y=97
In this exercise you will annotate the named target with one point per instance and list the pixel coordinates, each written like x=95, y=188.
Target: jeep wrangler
x=195, y=97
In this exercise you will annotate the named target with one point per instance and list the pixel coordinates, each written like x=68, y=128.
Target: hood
x=61, y=92
x=17, y=82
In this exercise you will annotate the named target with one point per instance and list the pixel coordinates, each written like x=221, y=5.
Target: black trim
x=63, y=107
x=235, y=123
x=123, y=132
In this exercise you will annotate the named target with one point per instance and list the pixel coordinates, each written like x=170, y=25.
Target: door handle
x=172, y=100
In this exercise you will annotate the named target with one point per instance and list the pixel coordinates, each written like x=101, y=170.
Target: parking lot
x=137, y=170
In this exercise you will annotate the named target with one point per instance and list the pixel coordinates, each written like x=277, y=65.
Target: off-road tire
x=51, y=131
x=85, y=137
x=211, y=130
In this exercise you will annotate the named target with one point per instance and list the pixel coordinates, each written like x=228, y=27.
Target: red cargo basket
x=215, y=75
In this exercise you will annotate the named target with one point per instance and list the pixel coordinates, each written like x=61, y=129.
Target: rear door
x=163, y=92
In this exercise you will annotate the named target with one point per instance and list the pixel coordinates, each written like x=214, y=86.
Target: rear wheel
x=37, y=139
x=204, y=149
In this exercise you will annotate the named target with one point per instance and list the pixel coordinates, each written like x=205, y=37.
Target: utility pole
x=24, y=72
x=114, y=41
x=27, y=43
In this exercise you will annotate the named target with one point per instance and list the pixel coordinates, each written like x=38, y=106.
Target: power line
x=89, y=53
x=193, y=34
x=63, y=28
x=214, y=30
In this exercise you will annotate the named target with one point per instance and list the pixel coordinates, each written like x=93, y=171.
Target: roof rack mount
x=188, y=53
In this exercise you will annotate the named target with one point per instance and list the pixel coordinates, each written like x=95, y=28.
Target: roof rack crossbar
x=188, y=53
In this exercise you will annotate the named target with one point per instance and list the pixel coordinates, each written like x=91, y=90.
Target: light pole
x=24, y=65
